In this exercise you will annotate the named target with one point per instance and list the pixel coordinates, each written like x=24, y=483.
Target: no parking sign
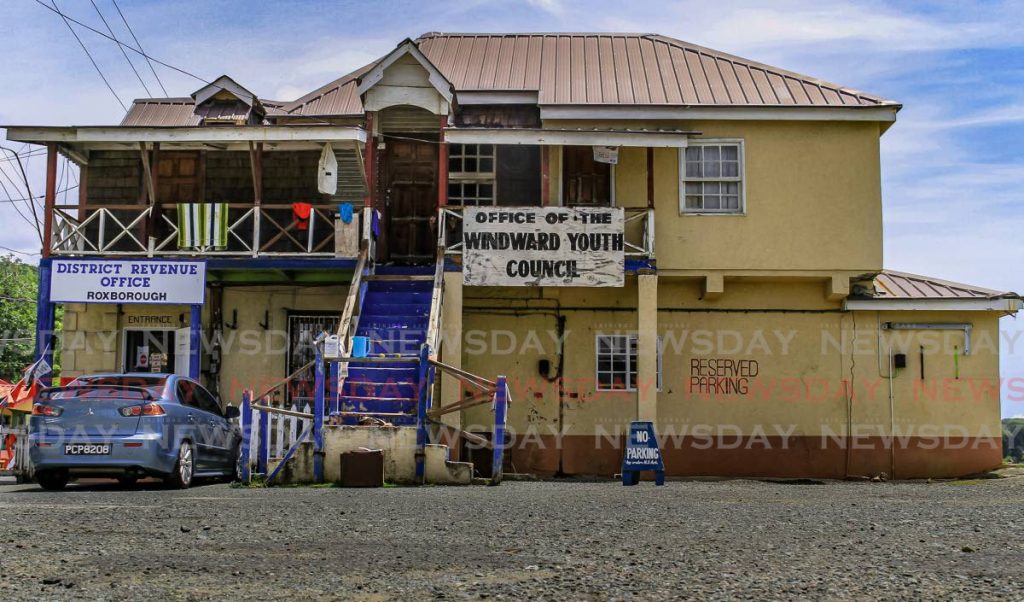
x=642, y=453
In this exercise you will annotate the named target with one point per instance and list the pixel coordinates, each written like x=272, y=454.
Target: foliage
x=18, y=283
x=1013, y=439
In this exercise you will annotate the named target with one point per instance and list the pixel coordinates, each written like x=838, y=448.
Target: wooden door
x=585, y=181
x=410, y=201
x=179, y=179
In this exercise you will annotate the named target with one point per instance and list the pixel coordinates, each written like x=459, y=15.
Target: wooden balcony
x=265, y=230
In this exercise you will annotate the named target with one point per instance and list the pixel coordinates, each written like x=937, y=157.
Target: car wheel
x=184, y=468
x=128, y=480
x=52, y=480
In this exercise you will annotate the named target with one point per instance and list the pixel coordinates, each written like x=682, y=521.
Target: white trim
x=885, y=113
x=226, y=84
x=1007, y=305
x=544, y=137
x=681, y=162
x=244, y=133
x=502, y=97
x=436, y=78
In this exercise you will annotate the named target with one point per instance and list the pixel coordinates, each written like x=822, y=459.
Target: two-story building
x=627, y=226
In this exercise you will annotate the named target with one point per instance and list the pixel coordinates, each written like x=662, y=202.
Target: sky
x=952, y=165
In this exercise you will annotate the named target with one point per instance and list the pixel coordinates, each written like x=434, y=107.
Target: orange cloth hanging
x=301, y=213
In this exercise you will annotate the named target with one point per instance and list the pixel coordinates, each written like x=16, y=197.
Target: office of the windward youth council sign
x=543, y=246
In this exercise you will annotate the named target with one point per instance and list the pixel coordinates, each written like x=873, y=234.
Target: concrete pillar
x=647, y=347
x=45, y=320
x=451, y=346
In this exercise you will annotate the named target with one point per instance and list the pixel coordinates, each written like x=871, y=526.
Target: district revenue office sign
x=98, y=281
x=543, y=246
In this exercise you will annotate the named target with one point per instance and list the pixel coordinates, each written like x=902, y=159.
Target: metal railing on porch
x=264, y=230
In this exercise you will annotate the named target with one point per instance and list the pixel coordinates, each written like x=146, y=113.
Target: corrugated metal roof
x=901, y=285
x=161, y=112
x=602, y=69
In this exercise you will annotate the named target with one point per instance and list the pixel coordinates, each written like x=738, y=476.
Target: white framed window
x=617, y=362
x=471, y=174
x=712, y=177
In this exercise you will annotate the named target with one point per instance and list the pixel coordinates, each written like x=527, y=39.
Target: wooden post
x=318, y=416
x=442, y=166
x=370, y=162
x=51, y=197
x=256, y=167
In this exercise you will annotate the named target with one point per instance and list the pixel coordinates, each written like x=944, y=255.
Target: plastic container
x=360, y=346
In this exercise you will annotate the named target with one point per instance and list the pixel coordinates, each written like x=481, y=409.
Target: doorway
x=303, y=329
x=410, y=200
x=152, y=350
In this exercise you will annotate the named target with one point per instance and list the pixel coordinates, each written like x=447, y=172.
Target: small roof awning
x=566, y=136
x=896, y=291
x=81, y=139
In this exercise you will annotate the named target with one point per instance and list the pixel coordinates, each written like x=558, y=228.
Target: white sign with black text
x=102, y=281
x=543, y=246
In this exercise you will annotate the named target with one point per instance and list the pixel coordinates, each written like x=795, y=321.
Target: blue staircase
x=394, y=317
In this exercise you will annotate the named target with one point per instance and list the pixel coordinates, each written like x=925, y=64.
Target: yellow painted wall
x=813, y=198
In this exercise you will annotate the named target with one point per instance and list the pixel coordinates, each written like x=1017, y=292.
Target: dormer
x=226, y=102
x=406, y=77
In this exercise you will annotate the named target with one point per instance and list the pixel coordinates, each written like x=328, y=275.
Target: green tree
x=18, y=282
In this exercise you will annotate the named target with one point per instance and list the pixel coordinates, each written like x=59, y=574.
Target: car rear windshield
x=139, y=388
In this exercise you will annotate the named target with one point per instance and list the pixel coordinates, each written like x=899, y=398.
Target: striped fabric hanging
x=203, y=226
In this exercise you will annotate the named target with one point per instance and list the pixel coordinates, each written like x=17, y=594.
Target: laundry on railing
x=302, y=213
x=202, y=225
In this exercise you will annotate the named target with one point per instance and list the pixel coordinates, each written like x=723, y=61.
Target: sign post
x=642, y=453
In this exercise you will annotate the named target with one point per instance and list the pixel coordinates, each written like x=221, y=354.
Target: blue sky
x=952, y=164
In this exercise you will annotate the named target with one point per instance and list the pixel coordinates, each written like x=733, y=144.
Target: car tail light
x=41, y=409
x=150, y=409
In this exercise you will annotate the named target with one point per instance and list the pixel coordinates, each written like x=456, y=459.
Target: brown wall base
x=793, y=457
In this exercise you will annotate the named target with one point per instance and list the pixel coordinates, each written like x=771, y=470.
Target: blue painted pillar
x=500, y=410
x=263, y=453
x=195, y=341
x=246, y=420
x=318, y=417
x=421, y=414
x=334, y=392
x=45, y=317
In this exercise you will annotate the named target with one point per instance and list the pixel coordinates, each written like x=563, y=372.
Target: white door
x=182, y=351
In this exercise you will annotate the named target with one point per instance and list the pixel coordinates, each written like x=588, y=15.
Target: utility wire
x=115, y=40
x=121, y=48
x=18, y=299
x=139, y=44
x=28, y=190
x=41, y=196
x=17, y=251
x=87, y=53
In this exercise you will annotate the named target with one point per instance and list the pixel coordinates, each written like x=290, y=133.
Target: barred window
x=617, y=362
x=712, y=178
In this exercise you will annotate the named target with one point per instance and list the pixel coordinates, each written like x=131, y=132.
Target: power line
x=28, y=190
x=139, y=44
x=18, y=299
x=17, y=251
x=87, y=53
x=121, y=48
x=116, y=41
x=41, y=196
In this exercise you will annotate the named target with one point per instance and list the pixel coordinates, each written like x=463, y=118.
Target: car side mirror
x=232, y=412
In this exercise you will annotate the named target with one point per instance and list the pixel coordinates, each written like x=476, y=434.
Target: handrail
x=437, y=294
x=345, y=324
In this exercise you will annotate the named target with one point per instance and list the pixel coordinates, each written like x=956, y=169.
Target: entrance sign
x=642, y=453
x=97, y=281
x=543, y=246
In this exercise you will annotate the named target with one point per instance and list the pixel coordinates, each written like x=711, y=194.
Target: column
x=647, y=347
x=195, y=341
x=45, y=318
x=451, y=348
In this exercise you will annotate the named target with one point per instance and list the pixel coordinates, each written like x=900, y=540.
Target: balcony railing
x=253, y=231
x=638, y=233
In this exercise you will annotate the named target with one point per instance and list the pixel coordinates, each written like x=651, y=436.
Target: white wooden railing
x=253, y=231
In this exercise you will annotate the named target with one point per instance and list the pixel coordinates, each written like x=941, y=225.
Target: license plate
x=87, y=449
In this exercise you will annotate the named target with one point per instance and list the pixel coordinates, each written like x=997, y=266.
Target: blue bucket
x=360, y=346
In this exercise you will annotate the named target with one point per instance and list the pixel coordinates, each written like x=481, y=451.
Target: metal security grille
x=302, y=331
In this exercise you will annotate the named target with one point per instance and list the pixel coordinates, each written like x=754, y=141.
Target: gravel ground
x=552, y=540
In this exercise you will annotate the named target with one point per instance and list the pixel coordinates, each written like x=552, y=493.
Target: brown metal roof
x=901, y=285
x=601, y=69
x=161, y=112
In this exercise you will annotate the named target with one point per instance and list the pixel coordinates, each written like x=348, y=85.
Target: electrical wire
x=41, y=196
x=121, y=48
x=28, y=191
x=116, y=41
x=18, y=299
x=139, y=44
x=17, y=251
x=87, y=53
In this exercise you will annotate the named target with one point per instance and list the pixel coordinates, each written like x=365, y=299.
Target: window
x=584, y=180
x=471, y=174
x=617, y=362
x=712, y=177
